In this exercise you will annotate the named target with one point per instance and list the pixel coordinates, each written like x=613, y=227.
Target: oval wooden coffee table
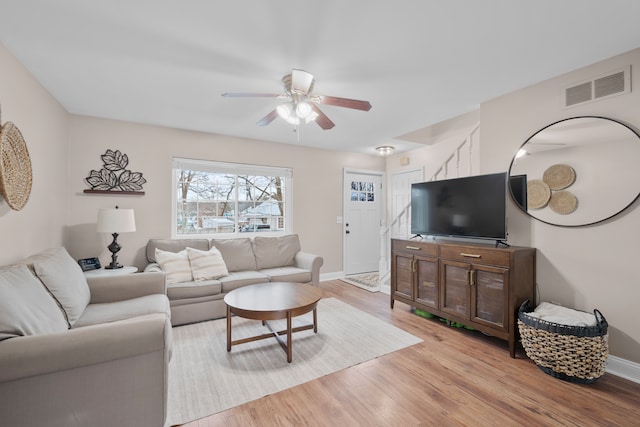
x=272, y=301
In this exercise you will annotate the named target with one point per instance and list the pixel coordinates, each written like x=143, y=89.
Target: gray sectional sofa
x=82, y=352
x=248, y=261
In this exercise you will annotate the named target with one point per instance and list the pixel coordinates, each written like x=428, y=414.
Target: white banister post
x=383, y=264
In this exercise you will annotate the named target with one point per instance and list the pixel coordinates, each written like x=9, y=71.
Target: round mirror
x=577, y=171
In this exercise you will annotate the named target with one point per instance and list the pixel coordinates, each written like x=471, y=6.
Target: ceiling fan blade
x=268, y=118
x=252, y=95
x=301, y=81
x=322, y=120
x=344, y=102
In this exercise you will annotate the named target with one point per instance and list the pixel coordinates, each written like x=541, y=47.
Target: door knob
x=347, y=231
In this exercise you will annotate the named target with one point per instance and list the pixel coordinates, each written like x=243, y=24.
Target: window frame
x=211, y=166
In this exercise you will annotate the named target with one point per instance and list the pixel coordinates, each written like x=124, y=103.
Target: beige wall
x=317, y=184
x=43, y=124
x=585, y=267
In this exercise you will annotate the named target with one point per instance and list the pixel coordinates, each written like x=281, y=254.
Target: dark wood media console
x=477, y=285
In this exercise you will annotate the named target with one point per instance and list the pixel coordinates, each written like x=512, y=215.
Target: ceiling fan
x=301, y=104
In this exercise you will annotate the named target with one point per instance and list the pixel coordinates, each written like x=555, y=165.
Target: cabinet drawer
x=475, y=255
x=416, y=248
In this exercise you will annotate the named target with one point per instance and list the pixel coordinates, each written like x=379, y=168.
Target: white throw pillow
x=207, y=265
x=63, y=277
x=26, y=308
x=175, y=265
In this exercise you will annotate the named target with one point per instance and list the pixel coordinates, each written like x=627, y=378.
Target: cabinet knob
x=415, y=248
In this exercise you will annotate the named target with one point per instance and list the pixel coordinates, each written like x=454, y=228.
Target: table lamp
x=115, y=221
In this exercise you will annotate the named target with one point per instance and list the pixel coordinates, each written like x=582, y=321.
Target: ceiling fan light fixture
x=294, y=120
x=300, y=105
x=303, y=109
x=385, y=150
x=287, y=112
x=311, y=117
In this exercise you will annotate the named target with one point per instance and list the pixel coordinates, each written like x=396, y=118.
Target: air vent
x=610, y=84
x=578, y=94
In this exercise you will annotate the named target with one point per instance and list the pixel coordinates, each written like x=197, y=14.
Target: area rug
x=204, y=378
x=368, y=281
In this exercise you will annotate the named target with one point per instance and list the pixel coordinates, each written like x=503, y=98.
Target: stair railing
x=443, y=172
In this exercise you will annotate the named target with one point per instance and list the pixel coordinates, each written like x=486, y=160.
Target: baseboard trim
x=336, y=275
x=623, y=368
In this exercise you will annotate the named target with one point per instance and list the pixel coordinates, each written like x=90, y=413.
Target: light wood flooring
x=454, y=377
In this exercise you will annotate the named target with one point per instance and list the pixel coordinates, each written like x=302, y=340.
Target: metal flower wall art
x=114, y=176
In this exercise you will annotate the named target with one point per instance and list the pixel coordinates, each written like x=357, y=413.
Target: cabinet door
x=455, y=288
x=403, y=275
x=427, y=281
x=489, y=296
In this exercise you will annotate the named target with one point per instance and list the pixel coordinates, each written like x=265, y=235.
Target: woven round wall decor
x=563, y=202
x=15, y=167
x=559, y=177
x=538, y=194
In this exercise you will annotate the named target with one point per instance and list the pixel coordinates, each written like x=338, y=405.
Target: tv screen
x=473, y=207
x=518, y=187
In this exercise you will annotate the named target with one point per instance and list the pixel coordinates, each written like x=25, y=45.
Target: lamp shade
x=114, y=220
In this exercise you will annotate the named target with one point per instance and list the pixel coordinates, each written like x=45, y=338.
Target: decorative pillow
x=237, y=253
x=174, y=245
x=175, y=265
x=206, y=265
x=272, y=252
x=26, y=308
x=64, y=279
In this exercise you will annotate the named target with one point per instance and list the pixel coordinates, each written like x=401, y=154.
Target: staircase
x=458, y=164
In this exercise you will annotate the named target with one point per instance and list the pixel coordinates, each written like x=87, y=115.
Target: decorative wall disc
x=538, y=194
x=559, y=177
x=15, y=167
x=563, y=202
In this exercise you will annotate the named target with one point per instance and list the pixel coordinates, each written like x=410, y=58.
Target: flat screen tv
x=472, y=207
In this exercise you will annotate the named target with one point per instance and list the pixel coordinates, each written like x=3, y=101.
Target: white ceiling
x=167, y=62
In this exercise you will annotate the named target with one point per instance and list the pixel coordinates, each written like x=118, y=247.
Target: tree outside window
x=210, y=202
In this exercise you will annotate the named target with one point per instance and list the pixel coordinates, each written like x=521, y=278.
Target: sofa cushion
x=275, y=251
x=237, y=253
x=201, y=288
x=96, y=314
x=64, y=279
x=206, y=265
x=174, y=245
x=26, y=308
x=196, y=300
x=175, y=265
x=287, y=274
x=238, y=279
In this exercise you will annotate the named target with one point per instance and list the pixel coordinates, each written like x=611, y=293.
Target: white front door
x=363, y=196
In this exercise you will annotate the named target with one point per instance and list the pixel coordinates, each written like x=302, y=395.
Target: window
x=215, y=197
